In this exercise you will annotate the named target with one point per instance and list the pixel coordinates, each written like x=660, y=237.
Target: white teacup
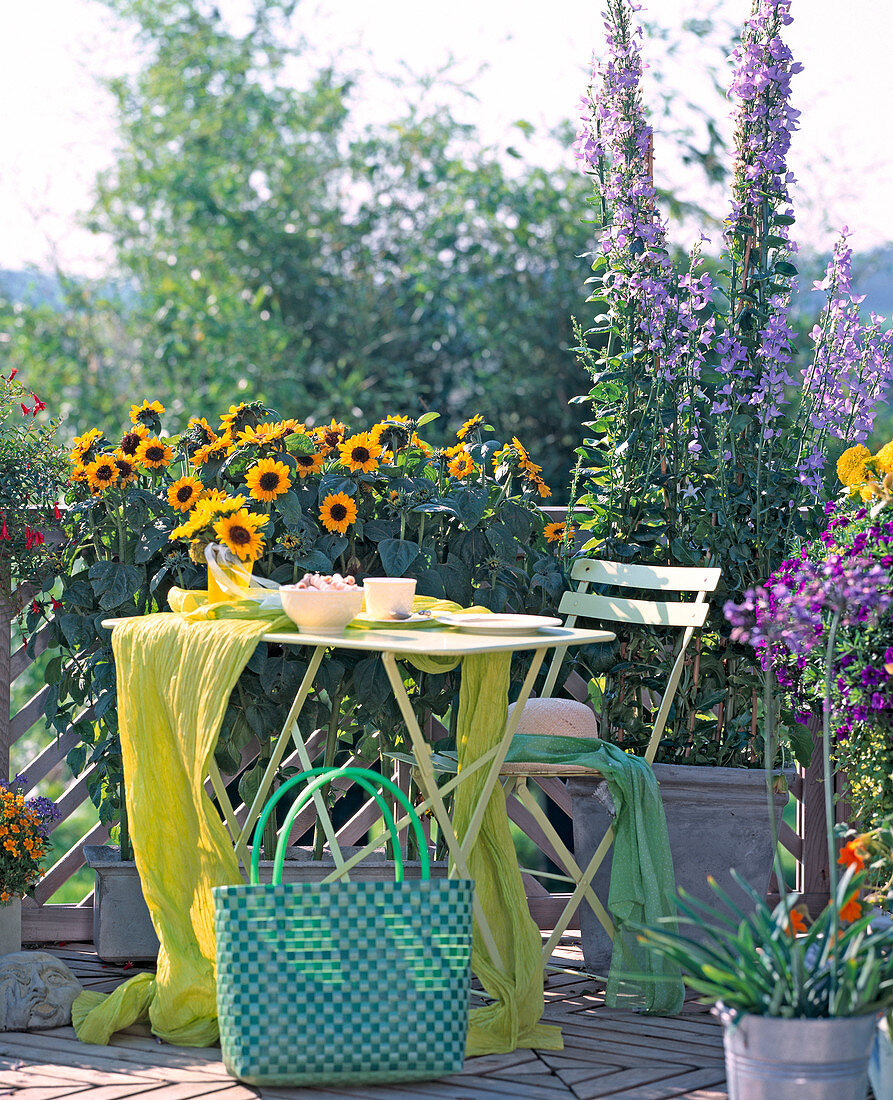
x=389, y=597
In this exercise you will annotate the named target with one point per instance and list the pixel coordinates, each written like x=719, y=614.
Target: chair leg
x=581, y=878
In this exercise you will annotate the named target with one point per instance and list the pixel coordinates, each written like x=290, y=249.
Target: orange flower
x=852, y=908
x=796, y=923
x=853, y=855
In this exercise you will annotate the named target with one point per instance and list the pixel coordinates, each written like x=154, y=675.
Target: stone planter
x=717, y=819
x=823, y=1059
x=123, y=930
x=11, y=926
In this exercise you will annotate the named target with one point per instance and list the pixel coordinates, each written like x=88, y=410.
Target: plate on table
x=472, y=623
x=418, y=618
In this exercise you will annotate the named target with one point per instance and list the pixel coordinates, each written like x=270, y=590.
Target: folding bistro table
x=392, y=646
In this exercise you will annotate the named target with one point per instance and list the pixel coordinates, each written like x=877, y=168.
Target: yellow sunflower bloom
x=469, y=426
x=462, y=465
x=127, y=470
x=309, y=464
x=148, y=412
x=130, y=441
x=337, y=512
x=83, y=444
x=851, y=468
x=154, y=453
x=555, y=532
x=184, y=493
x=267, y=479
x=359, y=454
x=239, y=532
x=221, y=447
x=542, y=488
x=420, y=445
x=102, y=473
x=375, y=433
x=328, y=437
x=201, y=516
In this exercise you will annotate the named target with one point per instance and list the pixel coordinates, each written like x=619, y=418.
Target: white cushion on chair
x=556, y=718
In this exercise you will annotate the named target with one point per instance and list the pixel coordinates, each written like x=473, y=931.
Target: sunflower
x=78, y=473
x=102, y=473
x=198, y=433
x=337, y=512
x=148, y=414
x=220, y=448
x=239, y=533
x=469, y=426
x=184, y=493
x=524, y=459
x=127, y=470
x=83, y=445
x=154, y=453
x=267, y=479
x=542, y=488
x=130, y=441
x=555, y=532
x=219, y=501
x=308, y=464
x=851, y=468
x=392, y=433
x=240, y=416
x=328, y=437
x=420, y=445
x=201, y=516
x=359, y=454
x=462, y=465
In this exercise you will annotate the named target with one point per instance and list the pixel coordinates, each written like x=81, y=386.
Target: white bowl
x=315, y=612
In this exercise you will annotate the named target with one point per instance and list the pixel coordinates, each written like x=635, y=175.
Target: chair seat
x=556, y=718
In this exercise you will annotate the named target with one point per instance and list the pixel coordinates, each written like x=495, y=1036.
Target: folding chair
x=546, y=716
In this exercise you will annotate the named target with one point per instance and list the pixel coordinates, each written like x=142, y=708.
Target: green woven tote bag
x=343, y=983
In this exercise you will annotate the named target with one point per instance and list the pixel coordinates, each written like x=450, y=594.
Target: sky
x=522, y=59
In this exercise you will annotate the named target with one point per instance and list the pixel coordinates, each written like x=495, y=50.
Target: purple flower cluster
x=851, y=368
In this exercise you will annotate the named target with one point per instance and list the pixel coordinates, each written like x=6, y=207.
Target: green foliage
x=465, y=522
x=31, y=476
x=752, y=962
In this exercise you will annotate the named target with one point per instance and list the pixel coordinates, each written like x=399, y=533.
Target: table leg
x=290, y=728
x=428, y=782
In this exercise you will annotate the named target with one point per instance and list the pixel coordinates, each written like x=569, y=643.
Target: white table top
x=434, y=643
x=446, y=643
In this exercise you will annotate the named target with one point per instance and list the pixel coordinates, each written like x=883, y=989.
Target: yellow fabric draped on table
x=175, y=674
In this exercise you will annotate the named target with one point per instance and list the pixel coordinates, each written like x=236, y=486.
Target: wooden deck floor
x=606, y=1054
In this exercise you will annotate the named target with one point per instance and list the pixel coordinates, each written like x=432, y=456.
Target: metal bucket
x=880, y=1068
x=768, y=1058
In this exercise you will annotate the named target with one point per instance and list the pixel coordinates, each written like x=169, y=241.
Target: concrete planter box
x=123, y=930
x=717, y=819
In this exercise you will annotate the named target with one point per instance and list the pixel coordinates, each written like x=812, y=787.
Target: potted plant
x=25, y=825
x=799, y=1003
x=285, y=498
x=707, y=440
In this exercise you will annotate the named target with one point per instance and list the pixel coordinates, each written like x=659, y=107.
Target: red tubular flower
x=56, y=603
x=56, y=513
x=25, y=410
x=39, y=405
x=29, y=537
x=4, y=534
x=35, y=606
x=13, y=373
x=852, y=855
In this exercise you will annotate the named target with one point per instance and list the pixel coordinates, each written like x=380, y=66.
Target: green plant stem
x=829, y=813
x=328, y=762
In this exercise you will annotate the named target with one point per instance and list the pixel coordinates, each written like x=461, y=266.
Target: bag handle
x=365, y=778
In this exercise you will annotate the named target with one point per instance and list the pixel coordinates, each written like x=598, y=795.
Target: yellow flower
x=542, y=488
x=884, y=458
x=78, y=473
x=337, y=512
x=221, y=447
x=555, y=532
x=267, y=479
x=462, y=465
x=130, y=441
x=102, y=473
x=309, y=464
x=240, y=533
x=868, y=491
x=393, y=423
x=154, y=453
x=470, y=425
x=83, y=444
x=359, y=454
x=420, y=445
x=201, y=516
x=148, y=412
x=184, y=493
x=201, y=428
x=127, y=470
x=329, y=436
x=219, y=502
x=851, y=468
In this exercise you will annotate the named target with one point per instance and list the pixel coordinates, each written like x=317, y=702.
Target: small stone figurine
x=37, y=991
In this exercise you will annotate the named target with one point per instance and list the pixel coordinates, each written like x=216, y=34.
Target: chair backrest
x=684, y=615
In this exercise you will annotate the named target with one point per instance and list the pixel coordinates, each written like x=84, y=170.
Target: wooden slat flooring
x=607, y=1053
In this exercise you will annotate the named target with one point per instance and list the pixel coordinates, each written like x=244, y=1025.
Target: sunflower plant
x=288, y=497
